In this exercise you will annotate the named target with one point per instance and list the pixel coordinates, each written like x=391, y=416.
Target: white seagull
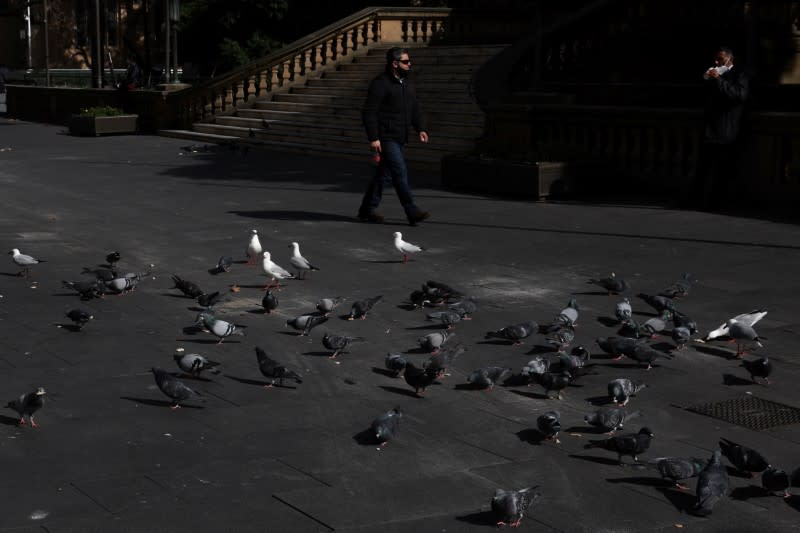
x=299, y=262
x=25, y=261
x=404, y=247
x=253, y=248
x=748, y=319
x=274, y=272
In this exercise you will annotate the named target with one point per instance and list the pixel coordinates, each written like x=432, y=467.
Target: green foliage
x=102, y=111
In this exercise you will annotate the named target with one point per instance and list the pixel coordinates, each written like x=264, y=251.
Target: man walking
x=390, y=108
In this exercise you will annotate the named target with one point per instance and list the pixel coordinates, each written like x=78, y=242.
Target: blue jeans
x=392, y=167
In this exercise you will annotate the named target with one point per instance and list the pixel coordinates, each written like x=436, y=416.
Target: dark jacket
x=725, y=101
x=390, y=108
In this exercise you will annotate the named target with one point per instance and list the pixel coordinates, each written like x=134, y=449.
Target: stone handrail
x=308, y=57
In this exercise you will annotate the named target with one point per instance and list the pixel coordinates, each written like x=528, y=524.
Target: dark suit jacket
x=725, y=101
x=390, y=108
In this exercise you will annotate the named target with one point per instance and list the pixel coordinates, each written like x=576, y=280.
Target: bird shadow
x=407, y=307
x=366, y=438
x=665, y=347
x=251, y=286
x=630, y=365
x=645, y=313
x=594, y=459
x=681, y=500
x=257, y=382
x=192, y=330
x=599, y=400
x=417, y=351
x=642, y=481
x=717, y=352
x=173, y=295
x=734, y=472
x=158, y=403
x=385, y=372
x=426, y=326
x=588, y=430
x=183, y=375
x=318, y=354
x=385, y=261
x=750, y=491
x=591, y=293
x=398, y=390
x=70, y=327
x=608, y=321
x=732, y=380
x=530, y=436
x=466, y=386
x=10, y=274
x=497, y=342
x=516, y=380
x=258, y=311
x=208, y=341
x=481, y=518
x=534, y=395
x=539, y=349
x=793, y=502
x=9, y=420
x=292, y=333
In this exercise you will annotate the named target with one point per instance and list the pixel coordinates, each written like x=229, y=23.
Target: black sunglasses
x=404, y=61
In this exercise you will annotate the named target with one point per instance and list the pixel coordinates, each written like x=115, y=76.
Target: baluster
x=275, y=81
x=330, y=50
x=238, y=96
x=286, y=74
x=404, y=30
x=263, y=82
x=252, y=87
x=227, y=101
x=352, y=41
x=414, y=30
x=362, y=33
x=217, y=104
x=297, y=67
x=308, y=63
x=424, y=27
x=338, y=42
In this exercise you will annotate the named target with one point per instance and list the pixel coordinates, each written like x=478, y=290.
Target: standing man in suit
x=390, y=108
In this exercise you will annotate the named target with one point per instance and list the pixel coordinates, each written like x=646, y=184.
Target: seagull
x=749, y=319
x=404, y=247
x=253, y=248
x=25, y=261
x=299, y=262
x=274, y=271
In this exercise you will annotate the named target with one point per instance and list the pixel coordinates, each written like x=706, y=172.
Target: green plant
x=102, y=111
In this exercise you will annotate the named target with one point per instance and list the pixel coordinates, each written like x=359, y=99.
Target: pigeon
x=28, y=404
x=419, y=378
x=681, y=336
x=537, y=365
x=173, y=387
x=743, y=335
x=712, y=485
x=578, y=358
x=193, y=364
x=549, y=424
x=612, y=284
x=449, y=317
x=774, y=480
x=630, y=329
x=209, y=300
x=682, y=320
x=433, y=342
x=617, y=346
x=623, y=311
x=561, y=338
x=274, y=271
x=553, y=381
x=419, y=299
x=655, y=325
x=338, y=343
x=122, y=285
x=404, y=247
x=386, y=426
x=113, y=258
x=79, y=317
x=269, y=302
x=86, y=289
x=620, y=390
x=659, y=303
x=306, y=323
x=509, y=506
x=676, y=469
x=758, y=368
x=224, y=264
x=515, y=333
x=253, y=250
x=360, y=308
x=299, y=262
x=273, y=370
x=748, y=319
x=567, y=317
x=439, y=291
x=678, y=289
x=441, y=361
x=646, y=354
x=103, y=274
x=327, y=305
x=633, y=444
x=745, y=459
x=188, y=288
x=219, y=328
x=609, y=419
x=485, y=378
x=24, y=261
x=396, y=363
x=465, y=307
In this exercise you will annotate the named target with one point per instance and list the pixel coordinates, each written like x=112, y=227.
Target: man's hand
x=713, y=73
x=423, y=136
x=375, y=145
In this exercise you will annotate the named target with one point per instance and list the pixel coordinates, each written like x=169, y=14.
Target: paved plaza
x=109, y=455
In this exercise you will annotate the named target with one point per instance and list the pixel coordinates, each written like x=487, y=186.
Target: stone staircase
x=323, y=114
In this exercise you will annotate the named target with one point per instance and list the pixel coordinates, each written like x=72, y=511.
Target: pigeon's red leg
x=33, y=424
x=176, y=406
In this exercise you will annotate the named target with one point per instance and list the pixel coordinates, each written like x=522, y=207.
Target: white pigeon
x=25, y=261
x=299, y=262
x=404, y=247
x=253, y=248
x=274, y=272
x=748, y=319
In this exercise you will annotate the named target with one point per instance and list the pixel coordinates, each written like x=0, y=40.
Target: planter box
x=511, y=178
x=94, y=126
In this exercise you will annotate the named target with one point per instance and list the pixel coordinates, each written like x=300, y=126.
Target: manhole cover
x=751, y=412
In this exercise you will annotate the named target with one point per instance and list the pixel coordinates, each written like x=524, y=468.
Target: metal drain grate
x=751, y=412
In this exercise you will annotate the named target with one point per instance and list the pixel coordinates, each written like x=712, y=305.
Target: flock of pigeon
x=449, y=307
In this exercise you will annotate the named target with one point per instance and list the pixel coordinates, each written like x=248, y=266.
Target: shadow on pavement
x=481, y=518
x=398, y=390
x=158, y=403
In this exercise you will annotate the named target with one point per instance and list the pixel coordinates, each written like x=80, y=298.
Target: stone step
x=454, y=92
x=355, y=81
x=426, y=60
x=437, y=69
x=326, y=113
x=454, y=105
x=459, y=49
x=365, y=76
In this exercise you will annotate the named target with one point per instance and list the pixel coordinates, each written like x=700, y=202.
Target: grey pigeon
x=537, y=365
x=680, y=288
x=655, y=325
x=440, y=292
x=419, y=378
x=749, y=319
x=609, y=419
x=713, y=484
x=623, y=310
x=449, y=317
x=647, y=355
x=465, y=307
x=561, y=338
x=24, y=261
x=612, y=284
x=515, y=333
x=273, y=370
x=387, y=426
x=219, y=328
x=269, y=302
x=746, y=460
x=121, y=285
x=774, y=480
x=396, y=363
x=194, y=364
x=758, y=368
x=617, y=346
x=553, y=381
x=300, y=263
x=360, y=308
x=441, y=361
x=419, y=299
x=509, y=506
x=188, y=288
x=633, y=444
x=209, y=300
x=620, y=390
x=28, y=404
x=79, y=317
x=485, y=378
x=102, y=274
x=681, y=336
x=113, y=258
x=676, y=469
x=327, y=305
x=433, y=342
x=86, y=289
x=224, y=264
x=659, y=303
x=305, y=323
x=578, y=358
x=567, y=317
x=549, y=425
x=172, y=387
x=338, y=343
x=743, y=334
x=683, y=320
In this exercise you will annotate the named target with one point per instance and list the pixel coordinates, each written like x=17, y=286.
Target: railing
x=309, y=57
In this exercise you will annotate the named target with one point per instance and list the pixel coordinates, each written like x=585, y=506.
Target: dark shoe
x=419, y=216
x=370, y=216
